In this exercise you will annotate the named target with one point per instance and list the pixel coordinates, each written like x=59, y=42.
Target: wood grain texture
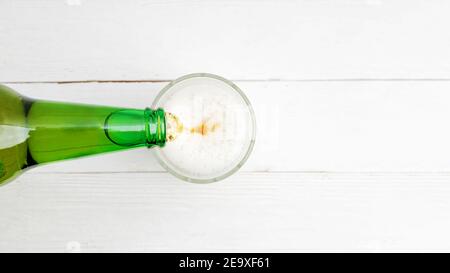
x=49, y=40
x=385, y=126
x=351, y=99
x=250, y=212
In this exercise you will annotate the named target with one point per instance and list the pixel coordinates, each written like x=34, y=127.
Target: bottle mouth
x=155, y=127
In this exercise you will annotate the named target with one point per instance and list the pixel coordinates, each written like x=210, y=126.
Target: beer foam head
x=211, y=128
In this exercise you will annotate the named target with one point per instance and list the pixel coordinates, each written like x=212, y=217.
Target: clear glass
x=218, y=125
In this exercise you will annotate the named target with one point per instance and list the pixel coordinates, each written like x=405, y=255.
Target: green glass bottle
x=34, y=132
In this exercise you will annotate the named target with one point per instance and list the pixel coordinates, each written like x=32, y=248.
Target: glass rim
x=157, y=150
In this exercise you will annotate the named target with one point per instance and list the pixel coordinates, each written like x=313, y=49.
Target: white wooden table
x=352, y=101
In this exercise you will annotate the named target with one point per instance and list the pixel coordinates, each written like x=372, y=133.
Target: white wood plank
x=249, y=212
x=302, y=126
x=45, y=40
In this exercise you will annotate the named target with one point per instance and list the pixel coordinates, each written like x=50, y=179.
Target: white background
x=352, y=101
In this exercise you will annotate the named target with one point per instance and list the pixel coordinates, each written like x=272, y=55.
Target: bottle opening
x=132, y=127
